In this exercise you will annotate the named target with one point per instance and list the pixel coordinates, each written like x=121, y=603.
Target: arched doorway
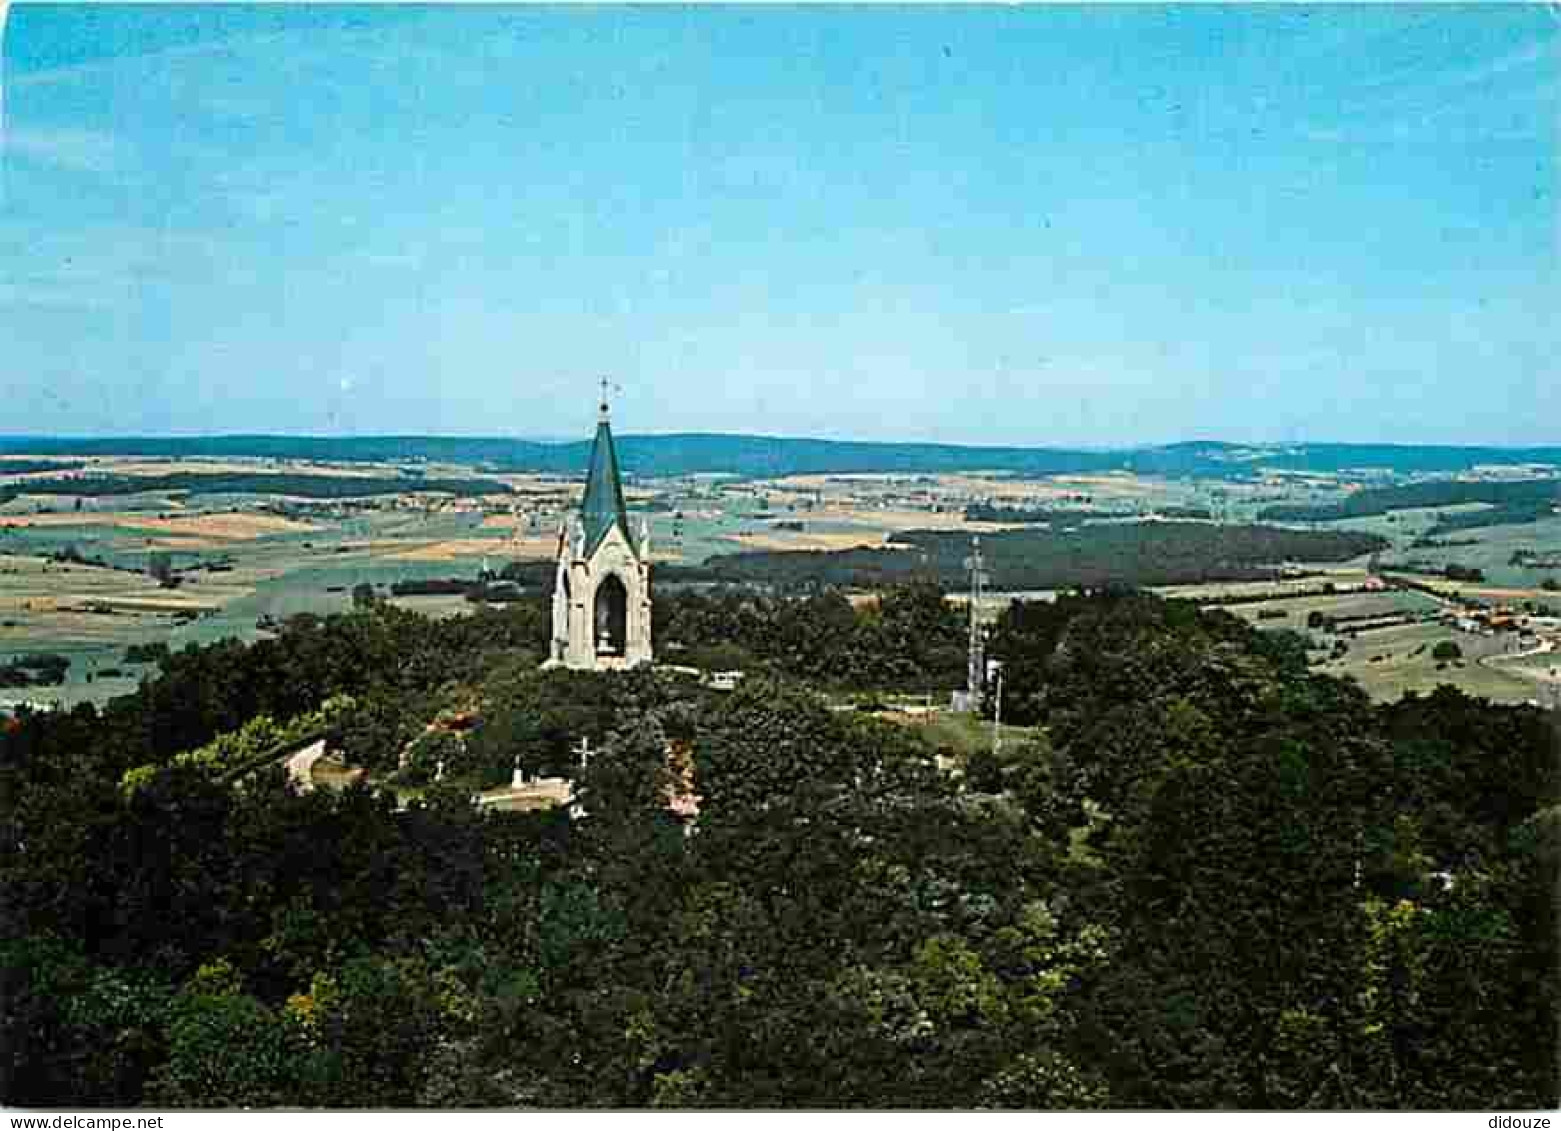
x=612, y=617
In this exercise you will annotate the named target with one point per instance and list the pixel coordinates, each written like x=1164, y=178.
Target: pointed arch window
x=610, y=619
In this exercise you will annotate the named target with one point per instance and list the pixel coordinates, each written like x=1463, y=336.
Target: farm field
x=807, y=540
x=244, y=559
x=1389, y=661
x=1296, y=610
x=437, y=605
x=75, y=577
x=1540, y=672
x=1341, y=576
x=1490, y=548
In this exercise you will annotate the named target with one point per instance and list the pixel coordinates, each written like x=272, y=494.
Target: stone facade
x=601, y=592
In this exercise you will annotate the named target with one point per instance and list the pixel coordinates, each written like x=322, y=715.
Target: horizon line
x=129, y=437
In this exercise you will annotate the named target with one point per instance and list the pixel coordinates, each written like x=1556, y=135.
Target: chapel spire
x=601, y=595
x=602, y=507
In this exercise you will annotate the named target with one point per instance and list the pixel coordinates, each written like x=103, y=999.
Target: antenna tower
x=997, y=712
x=975, y=677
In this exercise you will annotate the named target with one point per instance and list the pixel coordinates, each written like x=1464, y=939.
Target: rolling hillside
x=765, y=456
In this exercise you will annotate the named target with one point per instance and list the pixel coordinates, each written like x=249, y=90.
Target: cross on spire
x=606, y=388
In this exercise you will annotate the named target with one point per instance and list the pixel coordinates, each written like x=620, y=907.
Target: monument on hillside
x=601, y=593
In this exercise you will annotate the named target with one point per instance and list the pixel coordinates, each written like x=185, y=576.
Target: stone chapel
x=601, y=592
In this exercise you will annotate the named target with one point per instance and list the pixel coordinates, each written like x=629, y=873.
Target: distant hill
x=239, y=483
x=1134, y=553
x=691, y=453
x=1507, y=503
x=762, y=456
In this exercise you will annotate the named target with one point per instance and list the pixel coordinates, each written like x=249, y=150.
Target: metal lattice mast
x=975, y=675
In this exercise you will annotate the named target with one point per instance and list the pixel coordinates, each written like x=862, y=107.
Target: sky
x=1047, y=226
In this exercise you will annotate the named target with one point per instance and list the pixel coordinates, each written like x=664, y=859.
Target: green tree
x=72, y=1033
x=226, y=1048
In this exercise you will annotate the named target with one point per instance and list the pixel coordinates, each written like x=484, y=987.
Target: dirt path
x=1545, y=681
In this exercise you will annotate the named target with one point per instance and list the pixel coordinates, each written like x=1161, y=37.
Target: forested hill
x=682, y=454
x=1210, y=878
x=1127, y=553
x=1523, y=497
x=762, y=456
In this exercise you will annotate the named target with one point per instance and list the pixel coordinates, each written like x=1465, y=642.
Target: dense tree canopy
x=1065, y=556
x=1203, y=878
x=910, y=637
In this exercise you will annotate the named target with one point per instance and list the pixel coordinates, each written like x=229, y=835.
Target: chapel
x=601, y=591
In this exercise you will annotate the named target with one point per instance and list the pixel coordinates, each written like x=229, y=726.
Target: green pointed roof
x=602, y=507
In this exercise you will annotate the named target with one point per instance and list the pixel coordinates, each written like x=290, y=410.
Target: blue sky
x=1033, y=225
